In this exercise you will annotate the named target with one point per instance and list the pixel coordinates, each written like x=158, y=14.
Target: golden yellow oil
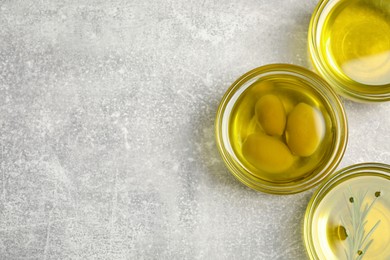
x=333, y=234
x=355, y=44
x=243, y=122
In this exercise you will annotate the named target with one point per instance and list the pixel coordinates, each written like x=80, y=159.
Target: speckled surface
x=107, y=143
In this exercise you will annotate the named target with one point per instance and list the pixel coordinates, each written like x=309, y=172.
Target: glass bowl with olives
x=281, y=129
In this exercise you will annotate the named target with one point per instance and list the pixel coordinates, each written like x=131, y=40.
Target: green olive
x=271, y=114
x=305, y=129
x=267, y=153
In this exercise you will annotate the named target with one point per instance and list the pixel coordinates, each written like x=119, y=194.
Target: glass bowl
x=349, y=45
x=296, y=81
x=348, y=217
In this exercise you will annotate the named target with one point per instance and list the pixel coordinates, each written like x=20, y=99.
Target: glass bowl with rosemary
x=348, y=217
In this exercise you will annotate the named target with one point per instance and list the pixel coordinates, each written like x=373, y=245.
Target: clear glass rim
x=338, y=118
x=356, y=169
x=320, y=66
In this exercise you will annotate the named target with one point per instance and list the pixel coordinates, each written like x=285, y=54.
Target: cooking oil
x=276, y=147
x=355, y=44
x=352, y=220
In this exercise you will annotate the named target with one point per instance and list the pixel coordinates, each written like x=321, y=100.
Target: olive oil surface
x=244, y=123
x=355, y=44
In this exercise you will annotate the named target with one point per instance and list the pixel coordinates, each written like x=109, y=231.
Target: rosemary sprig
x=358, y=241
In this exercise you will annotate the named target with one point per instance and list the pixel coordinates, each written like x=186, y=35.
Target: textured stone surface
x=106, y=140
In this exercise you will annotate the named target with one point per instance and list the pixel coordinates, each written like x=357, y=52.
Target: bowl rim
x=332, y=181
x=321, y=68
x=335, y=105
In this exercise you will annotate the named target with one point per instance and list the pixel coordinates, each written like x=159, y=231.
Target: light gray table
x=107, y=139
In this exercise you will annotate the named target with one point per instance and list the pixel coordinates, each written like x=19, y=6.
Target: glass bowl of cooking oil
x=281, y=129
x=349, y=44
x=349, y=215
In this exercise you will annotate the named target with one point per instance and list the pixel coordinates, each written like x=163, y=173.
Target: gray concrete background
x=106, y=140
